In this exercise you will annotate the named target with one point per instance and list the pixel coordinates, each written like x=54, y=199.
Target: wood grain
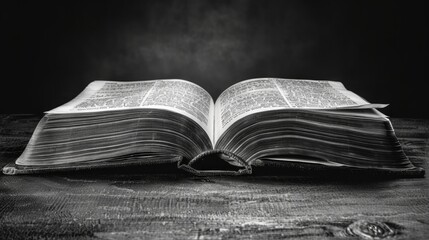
x=141, y=203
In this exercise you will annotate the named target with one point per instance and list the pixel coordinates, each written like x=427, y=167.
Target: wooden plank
x=137, y=203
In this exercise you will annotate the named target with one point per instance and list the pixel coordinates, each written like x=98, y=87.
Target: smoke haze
x=377, y=49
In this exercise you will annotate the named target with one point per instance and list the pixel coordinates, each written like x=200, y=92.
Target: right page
x=265, y=94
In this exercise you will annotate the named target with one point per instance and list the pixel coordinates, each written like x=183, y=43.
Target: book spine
x=241, y=167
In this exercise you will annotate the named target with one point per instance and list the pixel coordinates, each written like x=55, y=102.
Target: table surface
x=140, y=203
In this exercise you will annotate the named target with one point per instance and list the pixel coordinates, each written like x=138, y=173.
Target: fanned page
x=265, y=94
x=174, y=95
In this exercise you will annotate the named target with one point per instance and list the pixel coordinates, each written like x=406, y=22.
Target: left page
x=174, y=95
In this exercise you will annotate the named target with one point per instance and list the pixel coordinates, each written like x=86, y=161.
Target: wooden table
x=140, y=203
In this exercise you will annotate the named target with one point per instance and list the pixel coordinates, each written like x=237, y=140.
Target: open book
x=254, y=122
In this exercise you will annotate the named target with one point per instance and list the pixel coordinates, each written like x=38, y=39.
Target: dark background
x=52, y=50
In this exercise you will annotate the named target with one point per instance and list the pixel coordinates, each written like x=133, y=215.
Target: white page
x=265, y=94
x=174, y=95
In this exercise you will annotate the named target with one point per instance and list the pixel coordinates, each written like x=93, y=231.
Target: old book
x=255, y=122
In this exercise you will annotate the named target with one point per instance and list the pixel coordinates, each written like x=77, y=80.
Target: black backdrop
x=52, y=50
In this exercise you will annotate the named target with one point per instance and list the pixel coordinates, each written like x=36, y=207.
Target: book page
x=174, y=95
x=317, y=94
x=264, y=94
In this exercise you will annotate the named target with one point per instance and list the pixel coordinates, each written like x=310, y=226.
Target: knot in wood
x=370, y=230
